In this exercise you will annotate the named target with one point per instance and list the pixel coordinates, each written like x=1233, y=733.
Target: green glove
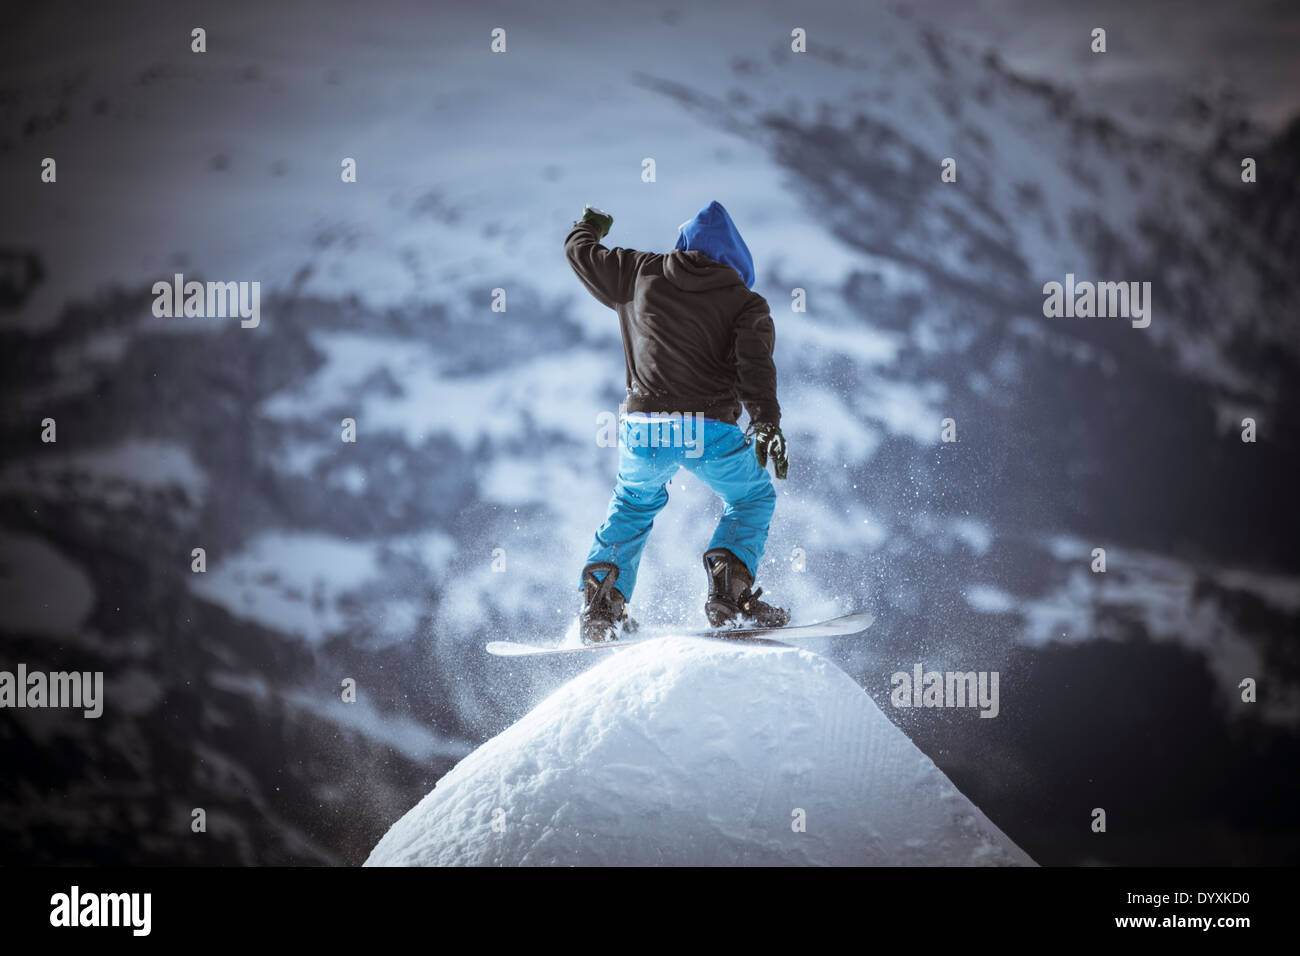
x=768, y=440
x=599, y=218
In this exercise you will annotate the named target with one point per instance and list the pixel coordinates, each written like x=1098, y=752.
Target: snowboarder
x=697, y=343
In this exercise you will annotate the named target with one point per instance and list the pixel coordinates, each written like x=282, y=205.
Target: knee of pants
x=761, y=499
x=640, y=497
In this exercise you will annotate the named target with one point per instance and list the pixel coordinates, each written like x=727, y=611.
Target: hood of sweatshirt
x=712, y=234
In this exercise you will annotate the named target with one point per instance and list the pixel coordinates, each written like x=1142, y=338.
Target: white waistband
x=650, y=418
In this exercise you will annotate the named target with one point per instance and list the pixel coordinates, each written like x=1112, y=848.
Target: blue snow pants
x=649, y=453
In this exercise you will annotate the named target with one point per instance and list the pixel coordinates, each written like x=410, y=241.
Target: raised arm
x=608, y=274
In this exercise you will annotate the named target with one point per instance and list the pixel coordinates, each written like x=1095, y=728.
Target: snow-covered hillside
x=464, y=509
x=686, y=751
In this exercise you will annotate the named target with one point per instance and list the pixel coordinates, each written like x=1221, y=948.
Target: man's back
x=695, y=337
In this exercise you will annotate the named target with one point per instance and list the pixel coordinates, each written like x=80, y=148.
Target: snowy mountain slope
x=478, y=429
x=688, y=752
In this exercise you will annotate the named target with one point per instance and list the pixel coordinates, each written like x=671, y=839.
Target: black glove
x=768, y=440
x=603, y=220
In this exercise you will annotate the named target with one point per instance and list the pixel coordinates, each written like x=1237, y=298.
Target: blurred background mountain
x=478, y=429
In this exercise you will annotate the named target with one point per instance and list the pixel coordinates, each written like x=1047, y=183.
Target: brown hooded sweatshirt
x=695, y=339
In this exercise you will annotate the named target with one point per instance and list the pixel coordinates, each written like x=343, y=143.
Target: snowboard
x=835, y=627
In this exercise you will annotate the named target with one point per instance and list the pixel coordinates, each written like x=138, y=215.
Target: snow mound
x=685, y=751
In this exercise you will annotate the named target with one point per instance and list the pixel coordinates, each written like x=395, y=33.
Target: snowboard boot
x=731, y=602
x=603, y=616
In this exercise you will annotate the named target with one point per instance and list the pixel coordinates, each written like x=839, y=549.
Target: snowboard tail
x=836, y=627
